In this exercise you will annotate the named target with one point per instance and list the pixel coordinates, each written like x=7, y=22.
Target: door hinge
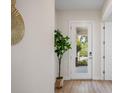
x=104, y=72
x=103, y=57
x=104, y=27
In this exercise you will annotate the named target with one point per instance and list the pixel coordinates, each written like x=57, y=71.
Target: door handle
x=90, y=53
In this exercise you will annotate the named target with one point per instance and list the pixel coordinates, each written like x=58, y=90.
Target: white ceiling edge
x=79, y=5
x=85, y=9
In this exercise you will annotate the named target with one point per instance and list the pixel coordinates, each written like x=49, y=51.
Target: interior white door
x=81, y=61
x=108, y=51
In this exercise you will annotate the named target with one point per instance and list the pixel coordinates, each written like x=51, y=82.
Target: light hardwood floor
x=86, y=86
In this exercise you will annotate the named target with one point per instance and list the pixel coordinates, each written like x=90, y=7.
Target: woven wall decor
x=17, y=24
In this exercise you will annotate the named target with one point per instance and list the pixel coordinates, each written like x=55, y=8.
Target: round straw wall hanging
x=17, y=24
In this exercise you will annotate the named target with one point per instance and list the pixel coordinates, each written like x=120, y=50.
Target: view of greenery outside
x=82, y=50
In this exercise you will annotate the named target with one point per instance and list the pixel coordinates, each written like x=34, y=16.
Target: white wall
x=107, y=10
x=62, y=22
x=33, y=58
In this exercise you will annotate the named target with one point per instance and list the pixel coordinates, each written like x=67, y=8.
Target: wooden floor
x=87, y=86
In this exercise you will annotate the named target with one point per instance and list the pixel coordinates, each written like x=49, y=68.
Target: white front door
x=81, y=52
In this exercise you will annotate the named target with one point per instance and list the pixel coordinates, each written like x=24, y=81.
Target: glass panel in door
x=81, y=62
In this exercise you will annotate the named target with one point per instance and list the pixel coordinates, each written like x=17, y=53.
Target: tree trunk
x=60, y=67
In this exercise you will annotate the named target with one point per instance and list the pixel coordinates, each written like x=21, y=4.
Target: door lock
x=90, y=53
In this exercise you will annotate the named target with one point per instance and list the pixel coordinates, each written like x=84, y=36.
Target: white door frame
x=106, y=56
x=92, y=28
x=102, y=51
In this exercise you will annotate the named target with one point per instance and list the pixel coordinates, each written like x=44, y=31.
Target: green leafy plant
x=82, y=63
x=78, y=45
x=61, y=46
x=82, y=48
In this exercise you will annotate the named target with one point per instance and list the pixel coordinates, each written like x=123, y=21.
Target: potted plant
x=61, y=46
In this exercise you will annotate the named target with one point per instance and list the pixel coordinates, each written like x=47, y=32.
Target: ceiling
x=79, y=4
